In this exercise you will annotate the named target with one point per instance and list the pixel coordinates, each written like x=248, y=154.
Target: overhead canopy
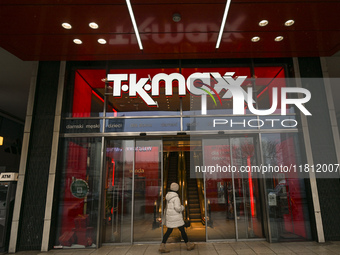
x=32, y=29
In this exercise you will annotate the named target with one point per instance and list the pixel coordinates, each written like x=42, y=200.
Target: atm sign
x=8, y=176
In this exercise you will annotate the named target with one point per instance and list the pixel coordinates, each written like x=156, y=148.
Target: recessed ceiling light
x=263, y=23
x=278, y=38
x=102, y=41
x=77, y=41
x=93, y=25
x=289, y=23
x=255, y=39
x=66, y=25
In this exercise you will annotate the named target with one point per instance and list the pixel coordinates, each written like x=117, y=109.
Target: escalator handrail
x=185, y=189
x=200, y=188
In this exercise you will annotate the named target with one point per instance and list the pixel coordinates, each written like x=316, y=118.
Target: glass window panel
x=147, y=191
x=286, y=194
x=219, y=191
x=246, y=189
x=80, y=167
x=118, y=191
x=232, y=196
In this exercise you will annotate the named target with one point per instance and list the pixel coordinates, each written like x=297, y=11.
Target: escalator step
x=193, y=198
x=195, y=220
x=194, y=210
x=195, y=215
x=193, y=192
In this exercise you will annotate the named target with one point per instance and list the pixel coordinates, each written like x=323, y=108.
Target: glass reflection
x=246, y=189
x=233, y=198
x=79, y=192
x=118, y=191
x=147, y=191
x=286, y=193
x=219, y=191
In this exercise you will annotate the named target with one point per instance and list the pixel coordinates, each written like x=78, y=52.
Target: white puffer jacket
x=174, y=217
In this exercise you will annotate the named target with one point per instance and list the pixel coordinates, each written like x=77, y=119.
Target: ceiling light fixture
x=66, y=25
x=102, y=41
x=223, y=24
x=278, y=38
x=77, y=41
x=263, y=23
x=134, y=24
x=289, y=23
x=93, y=25
x=255, y=39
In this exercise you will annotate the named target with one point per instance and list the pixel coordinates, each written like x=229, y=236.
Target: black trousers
x=169, y=231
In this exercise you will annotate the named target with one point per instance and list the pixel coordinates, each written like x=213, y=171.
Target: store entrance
x=179, y=156
x=218, y=205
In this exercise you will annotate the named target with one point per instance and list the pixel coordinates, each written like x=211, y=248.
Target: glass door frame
x=258, y=153
x=134, y=139
x=261, y=187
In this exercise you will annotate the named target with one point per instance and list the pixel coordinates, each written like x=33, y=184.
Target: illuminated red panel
x=93, y=77
x=81, y=98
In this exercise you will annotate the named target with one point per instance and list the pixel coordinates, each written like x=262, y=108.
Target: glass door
x=219, y=187
x=246, y=189
x=232, y=196
x=132, y=191
x=118, y=191
x=147, y=191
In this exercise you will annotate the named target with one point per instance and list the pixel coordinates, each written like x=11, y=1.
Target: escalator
x=177, y=158
x=172, y=170
x=179, y=171
x=195, y=212
x=193, y=201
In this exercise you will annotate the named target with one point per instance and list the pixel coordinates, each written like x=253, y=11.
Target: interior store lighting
x=289, y=23
x=132, y=16
x=255, y=39
x=263, y=23
x=223, y=23
x=93, y=25
x=1, y=140
x=66, y=25
x=77, y=41
x=102, y=41
x=278, y=38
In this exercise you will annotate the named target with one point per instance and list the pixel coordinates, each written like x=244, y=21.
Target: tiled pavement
x=225, y=248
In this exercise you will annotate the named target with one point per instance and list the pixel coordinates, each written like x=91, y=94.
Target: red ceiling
x=32, y=30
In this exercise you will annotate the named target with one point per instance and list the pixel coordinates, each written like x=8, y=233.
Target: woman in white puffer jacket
x=174, y=218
